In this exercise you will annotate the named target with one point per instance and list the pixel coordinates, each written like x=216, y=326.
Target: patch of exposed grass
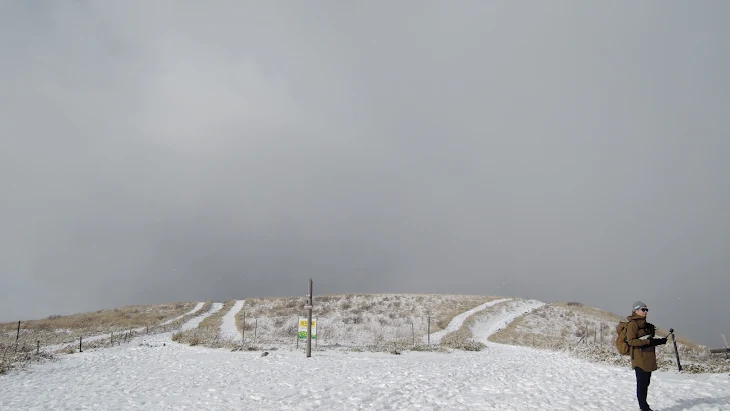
x=11, y=359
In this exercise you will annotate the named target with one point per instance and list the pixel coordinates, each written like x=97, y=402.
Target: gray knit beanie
x=637, y=305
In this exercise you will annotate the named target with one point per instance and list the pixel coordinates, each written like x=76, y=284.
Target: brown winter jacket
x=643, y=355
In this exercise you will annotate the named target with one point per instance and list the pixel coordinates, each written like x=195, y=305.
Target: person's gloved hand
x=658, y=341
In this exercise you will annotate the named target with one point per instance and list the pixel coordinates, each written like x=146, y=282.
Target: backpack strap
x=631, y=347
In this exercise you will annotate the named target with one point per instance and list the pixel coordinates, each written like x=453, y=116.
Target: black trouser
x=643, y=379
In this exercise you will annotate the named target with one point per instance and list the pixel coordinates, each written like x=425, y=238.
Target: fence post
x=111, y=340
x=413, y=333
x=255, y=328
x=309, y=320
x=243, y=329
x=80, y=344
x=16, y=337
x=38, y=347
x=428, y=333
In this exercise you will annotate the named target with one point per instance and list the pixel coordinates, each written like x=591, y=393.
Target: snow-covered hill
x=372, y=322
x=153, y=372
x=589, y=333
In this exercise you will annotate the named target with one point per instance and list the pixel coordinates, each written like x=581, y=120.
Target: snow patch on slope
x=229, y=331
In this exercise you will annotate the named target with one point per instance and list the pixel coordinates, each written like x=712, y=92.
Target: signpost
x=309, y=322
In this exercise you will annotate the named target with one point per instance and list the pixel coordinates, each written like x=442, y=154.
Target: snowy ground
x=154, y=373
x=228, y=326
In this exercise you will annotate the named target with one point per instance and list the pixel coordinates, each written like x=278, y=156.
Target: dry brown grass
x=461, y=339
x=215, y=321
x=122, y=318
x=67, y=329
x=455, y=307
x=208, y=331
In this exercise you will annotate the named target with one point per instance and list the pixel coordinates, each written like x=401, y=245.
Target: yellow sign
x=303, y=328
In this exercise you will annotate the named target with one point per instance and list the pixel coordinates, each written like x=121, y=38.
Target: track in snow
x=458, y=320
x=56, y=347
x=197, y=308
x=503, y=316
x=194, y=322
x=229, y=331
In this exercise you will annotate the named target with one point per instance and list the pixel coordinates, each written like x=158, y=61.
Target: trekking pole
x=676, y=351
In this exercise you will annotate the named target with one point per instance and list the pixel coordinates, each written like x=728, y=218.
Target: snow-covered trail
x=179, y=377
x=228, y=326
x=197, y=308
x=195, y=321
x=98, y=337
x=458, y=320
x=505, y=314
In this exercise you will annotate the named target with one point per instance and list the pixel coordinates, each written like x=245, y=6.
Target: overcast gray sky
x=565, y=151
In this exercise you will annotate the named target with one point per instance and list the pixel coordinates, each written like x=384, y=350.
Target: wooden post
x=17, y=336
x=309, y=322
x=428, y=333
x=601, y=333
x=111, y=340
x=38, y=347
x=80, y=344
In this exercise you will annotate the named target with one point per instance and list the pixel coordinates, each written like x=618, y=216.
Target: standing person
x=640, y=337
